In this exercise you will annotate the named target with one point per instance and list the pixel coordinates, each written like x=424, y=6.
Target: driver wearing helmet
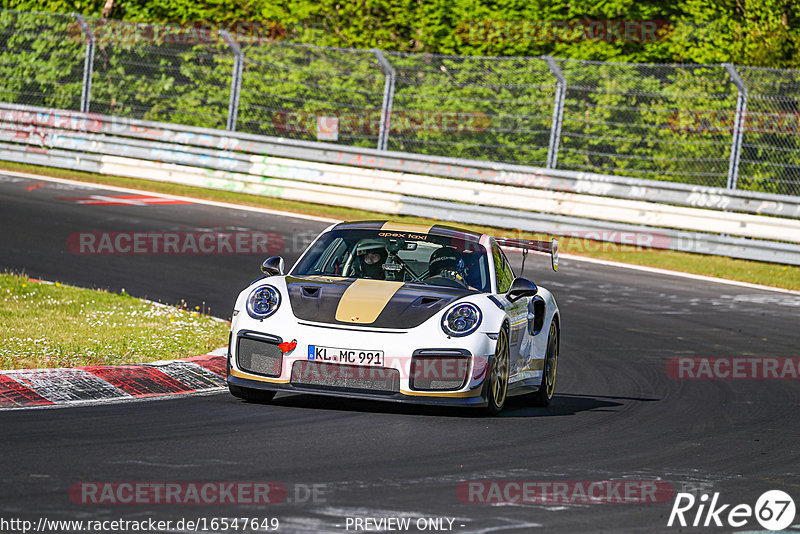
x=447, y=262
x=371, y=255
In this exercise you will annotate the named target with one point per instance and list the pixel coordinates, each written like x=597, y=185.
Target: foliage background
x=669, y=122
x=762, y=33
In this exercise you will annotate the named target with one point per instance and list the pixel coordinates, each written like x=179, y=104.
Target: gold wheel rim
x=500, y=370
x=552, y=363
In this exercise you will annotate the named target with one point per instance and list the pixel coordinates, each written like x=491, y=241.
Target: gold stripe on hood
x=364, y=300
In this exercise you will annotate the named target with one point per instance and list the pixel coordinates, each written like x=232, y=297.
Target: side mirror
x=273, y=266
x=521, y=287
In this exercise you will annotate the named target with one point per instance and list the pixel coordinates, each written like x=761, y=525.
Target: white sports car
x=398, y=312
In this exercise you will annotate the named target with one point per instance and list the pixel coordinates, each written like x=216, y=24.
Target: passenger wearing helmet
x=371, y=255
x=447, y=263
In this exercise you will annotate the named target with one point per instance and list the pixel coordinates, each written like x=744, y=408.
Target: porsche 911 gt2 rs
x=398, y=312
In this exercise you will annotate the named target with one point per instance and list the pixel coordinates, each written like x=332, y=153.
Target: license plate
x=372, y=358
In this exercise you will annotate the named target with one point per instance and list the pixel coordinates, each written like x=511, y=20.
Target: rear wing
x=527, y=245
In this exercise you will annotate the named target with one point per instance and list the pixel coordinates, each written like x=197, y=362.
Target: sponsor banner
x=734, y=368
x=564, y=492
x=208, y=242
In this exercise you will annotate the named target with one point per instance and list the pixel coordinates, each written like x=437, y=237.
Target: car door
x=516, y=311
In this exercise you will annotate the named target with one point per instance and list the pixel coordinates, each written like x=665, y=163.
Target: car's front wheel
x=498, y=378
x=548, y=386
x=250, y=394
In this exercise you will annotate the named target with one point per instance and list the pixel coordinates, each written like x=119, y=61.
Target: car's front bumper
x=475, y=398
x=411, y=372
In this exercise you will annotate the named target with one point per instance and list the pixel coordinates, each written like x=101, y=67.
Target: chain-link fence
x=647, y=121
x=770, y=157
x=163, y=75
x=717, y=125
x=472, y=107
x=41, y=59
x=309, y=92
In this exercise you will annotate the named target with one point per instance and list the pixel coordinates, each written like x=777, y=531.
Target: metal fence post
x=558, y=112
x=388, y=96
x=236, y=79
x=738, y=125
x=88, y=63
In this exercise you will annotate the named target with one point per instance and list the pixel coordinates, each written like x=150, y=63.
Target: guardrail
x=699, y=219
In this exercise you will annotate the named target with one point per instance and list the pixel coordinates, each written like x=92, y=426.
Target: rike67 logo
x=774, y=510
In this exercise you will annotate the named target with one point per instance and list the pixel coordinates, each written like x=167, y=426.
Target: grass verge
x=55, y=325
x=770, y=274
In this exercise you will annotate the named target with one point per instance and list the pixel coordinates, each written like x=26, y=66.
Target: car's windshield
x=407, y=257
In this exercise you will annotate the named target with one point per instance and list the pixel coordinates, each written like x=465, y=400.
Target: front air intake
x=444, y=370
x=259, y=355
x=333, y=376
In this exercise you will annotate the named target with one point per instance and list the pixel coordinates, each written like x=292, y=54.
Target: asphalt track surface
x=617, y=415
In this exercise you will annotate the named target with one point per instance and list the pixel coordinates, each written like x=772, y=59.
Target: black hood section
x=317, y=299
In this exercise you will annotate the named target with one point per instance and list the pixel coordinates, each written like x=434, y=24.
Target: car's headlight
x=461, y=320
x=263, y=301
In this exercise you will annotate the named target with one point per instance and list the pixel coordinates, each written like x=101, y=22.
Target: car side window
x=330, y=261
x=502, y=269
x=508, y=272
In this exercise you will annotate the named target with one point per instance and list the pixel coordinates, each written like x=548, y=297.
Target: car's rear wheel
x=548, y=386
x=498, y=378
x=250, y=394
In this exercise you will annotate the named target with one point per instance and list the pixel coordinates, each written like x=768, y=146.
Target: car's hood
x=374, y=303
